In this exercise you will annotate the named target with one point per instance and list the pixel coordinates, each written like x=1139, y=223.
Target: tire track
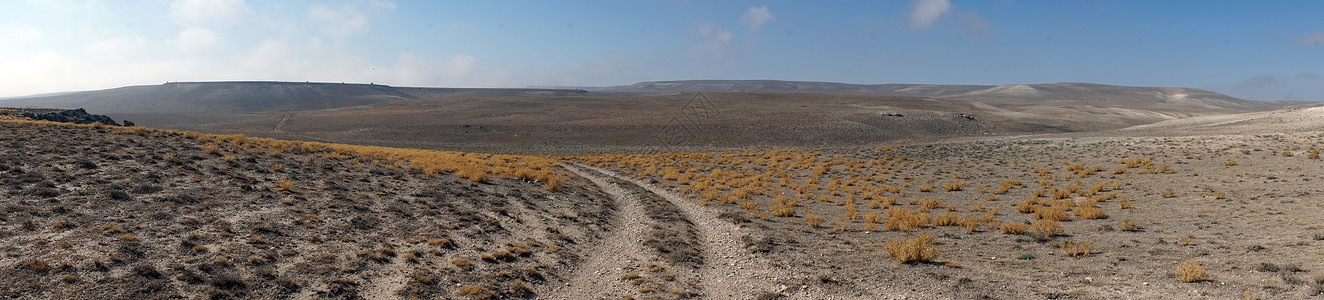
x=281, y=123
x=729, y=271
x=615, y=256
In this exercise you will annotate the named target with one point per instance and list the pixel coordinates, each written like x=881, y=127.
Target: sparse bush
x=476, y=291
x=35, y=265
x=1168, y=193
x=1045, y=229
x=945, y=220
x=918, y=249
x=1090, y=213
x=1190, y=272
x=1230, y=163
x=1015, y=228
x=1128, y=225
x=1051, y=213
x=813, y=220
x=955, y=186
x=1074, y=249
x=284, y=185
x=444, y=243
x=1288, y=154
x=903, y=219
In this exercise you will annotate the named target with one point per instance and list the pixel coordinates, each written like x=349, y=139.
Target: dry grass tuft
x=1074, y=249
x=905, y=219
x=476, y=291
x=813, y=220
x=1015, y=228
x=1090, y=213
x=918, y=249
x=955, y=186
x=1046, y=228
x=1128, y=225
x=1190, y=272
x=1051, y=213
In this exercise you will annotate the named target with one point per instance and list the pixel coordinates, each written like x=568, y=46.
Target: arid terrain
x=669, y=116
x=724, y=194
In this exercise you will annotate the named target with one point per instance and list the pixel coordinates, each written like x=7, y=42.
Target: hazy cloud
x=208, y=12
x=197, y=39
x=974, y=25
x=1315, y=37
x=713, y=41
x=924, y=13
x=756, y=17
x=388, y=5
x=1308, y=76
x=1261, y=81
x=339, y=23
x=114, y=48
x=19, y=33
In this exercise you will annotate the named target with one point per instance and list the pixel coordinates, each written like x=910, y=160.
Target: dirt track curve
x=729, y=271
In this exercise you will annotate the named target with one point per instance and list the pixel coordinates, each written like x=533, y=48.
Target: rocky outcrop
x=77, y=116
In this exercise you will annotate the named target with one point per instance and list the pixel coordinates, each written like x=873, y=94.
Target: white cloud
x=339, y=23
x=924, y=13
x=388, y=5
x=713, y=41
x=208, y=12
x=197, y=39
x=756, y=17
x=1315, y=37
x=19, y=33
x=114, y=48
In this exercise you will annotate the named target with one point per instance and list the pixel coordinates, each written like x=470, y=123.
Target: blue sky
x=1255, y=50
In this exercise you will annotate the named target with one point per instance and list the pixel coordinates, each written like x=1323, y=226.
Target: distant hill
x=1029, y=92
x=729, y=113
x=778, y=86
x=254, y=96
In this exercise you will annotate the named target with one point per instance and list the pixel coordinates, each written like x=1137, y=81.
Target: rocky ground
x=100, y=213
x=1242, y=207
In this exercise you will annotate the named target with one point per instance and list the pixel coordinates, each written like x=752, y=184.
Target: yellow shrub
x=903, y=219
x=1014, y=228
x=1051, y=213
x=945, y=220
x=1190, y=272
x=1074, y=249
x=813, y=220
x=1046, y=228
x=1090, y=212
x=918, y=249
x=955, y=186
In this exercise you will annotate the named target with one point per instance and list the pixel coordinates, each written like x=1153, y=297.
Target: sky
x=1267, y=50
